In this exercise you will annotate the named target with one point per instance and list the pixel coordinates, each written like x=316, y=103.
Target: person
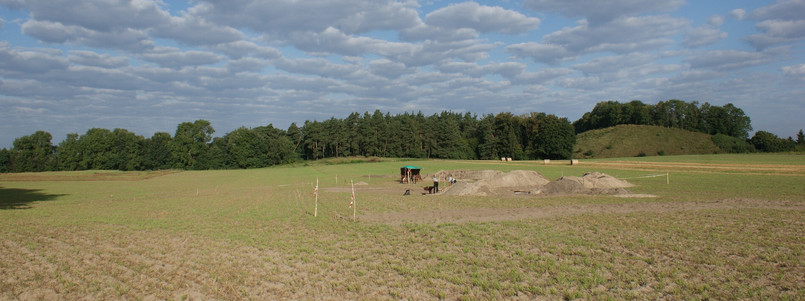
x=435, y=185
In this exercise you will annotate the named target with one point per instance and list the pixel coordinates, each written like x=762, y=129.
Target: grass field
x=726, y=227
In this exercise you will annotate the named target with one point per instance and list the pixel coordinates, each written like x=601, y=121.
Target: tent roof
x=411, y=167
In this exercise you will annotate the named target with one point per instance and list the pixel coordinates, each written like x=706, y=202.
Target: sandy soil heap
x=590, y=183
x=492, y=182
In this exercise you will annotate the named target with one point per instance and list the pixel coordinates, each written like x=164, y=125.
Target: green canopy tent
x=410, y=174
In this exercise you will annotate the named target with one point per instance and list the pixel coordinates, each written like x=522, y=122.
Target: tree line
x=447, y=135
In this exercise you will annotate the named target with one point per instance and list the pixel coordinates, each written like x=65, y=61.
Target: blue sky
x=146, y=66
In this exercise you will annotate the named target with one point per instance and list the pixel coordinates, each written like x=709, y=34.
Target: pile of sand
x=491, y=182
x=468, y=175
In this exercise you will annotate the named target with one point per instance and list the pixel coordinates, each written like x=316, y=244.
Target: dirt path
x=512, y=214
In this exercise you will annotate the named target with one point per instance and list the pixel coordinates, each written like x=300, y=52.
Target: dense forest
x=446, y=135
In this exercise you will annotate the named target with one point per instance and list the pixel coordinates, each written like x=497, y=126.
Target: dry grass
x=251, y=234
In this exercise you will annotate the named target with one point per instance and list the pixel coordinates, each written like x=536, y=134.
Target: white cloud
x=546, y=53
x=598, y=12
x=795, y=71
x=193, y=30
x=481, y=18
x=388, y=69
x=738, y=13
x=38, y=90
x=722, y=60
x=632, y=32
x=702, y=36
x=507, y=70
x=315, y=66
x=422, y=31
x=716, y=20
x=611, y=64
x=782, y=22
x=239, y=49
x=783, y=10
x=99, y=15
x=25, y=63
x=89, y=58
x=619, y=36
x=246, y=64
x=125, y=39
x=174, y=58
x=777, y=32
x=277, y=18
x=540, y=77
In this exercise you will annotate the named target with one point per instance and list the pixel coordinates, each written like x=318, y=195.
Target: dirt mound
x=601, y=180
x=517, y=178
x=492, y=182
x=590, y=183
x=468, y=175
x=464, y=188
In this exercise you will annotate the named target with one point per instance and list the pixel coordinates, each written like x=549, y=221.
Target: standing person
x=435, y=185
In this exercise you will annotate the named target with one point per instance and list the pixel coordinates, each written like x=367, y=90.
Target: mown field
x=726, y=227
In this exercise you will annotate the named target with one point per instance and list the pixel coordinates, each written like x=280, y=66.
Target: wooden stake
x=316, y=206
x=667, y=177
x=354, y=203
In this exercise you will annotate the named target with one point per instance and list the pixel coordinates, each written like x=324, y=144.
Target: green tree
x=739, y=125
x=314, y=144
x=636, y=112
x=97, y=148
x=127, y=152
x=486, y=138
x=244, y=148
x=380, y=140
x=450, y=143
x=5, y=160
x=278, y=149
x=767, y=142
x=219, y=154
x=296, y=136
x=157, y=152
x=800, y=137
x=69, y=153
x=507, y=132
x=33, y=153
x=189, y=145
x=550, y=137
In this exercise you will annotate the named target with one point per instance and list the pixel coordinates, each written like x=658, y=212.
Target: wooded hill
x=642, y=140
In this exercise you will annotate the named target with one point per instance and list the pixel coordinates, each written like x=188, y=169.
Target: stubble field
x=726, y=227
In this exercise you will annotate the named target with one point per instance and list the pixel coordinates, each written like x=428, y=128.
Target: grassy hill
x=641, y=140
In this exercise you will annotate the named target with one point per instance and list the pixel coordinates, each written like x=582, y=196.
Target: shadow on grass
x=15, y=198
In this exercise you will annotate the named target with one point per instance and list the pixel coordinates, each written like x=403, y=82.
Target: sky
x=67, y=66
